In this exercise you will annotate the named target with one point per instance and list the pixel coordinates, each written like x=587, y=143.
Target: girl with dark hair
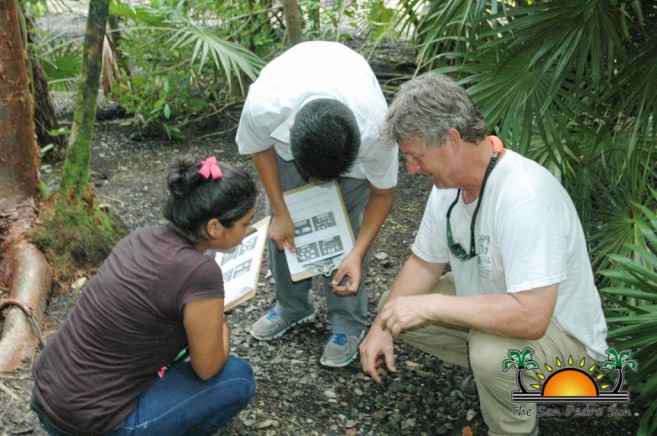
x=108, y=368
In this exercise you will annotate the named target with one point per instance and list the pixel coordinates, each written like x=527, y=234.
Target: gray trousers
x=294, y=300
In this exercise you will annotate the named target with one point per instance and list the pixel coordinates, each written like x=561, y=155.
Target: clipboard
x=322, y=231
x=241, y=265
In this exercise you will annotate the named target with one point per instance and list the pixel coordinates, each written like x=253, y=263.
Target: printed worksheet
x=322, y=233
x=241, y=265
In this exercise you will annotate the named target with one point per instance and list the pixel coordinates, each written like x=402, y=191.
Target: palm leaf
x=583, y=38
x=632, y=310
x=143, y=14
x=226, y=56
x=62, y=61
x=629, y=292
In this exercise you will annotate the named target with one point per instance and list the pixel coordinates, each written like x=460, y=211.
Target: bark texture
x=23, y=268
x=30, y=279
x=77, y=166
x=18, y=149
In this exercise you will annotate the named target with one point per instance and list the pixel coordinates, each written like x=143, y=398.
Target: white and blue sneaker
x=340, y=350
x=271, y=325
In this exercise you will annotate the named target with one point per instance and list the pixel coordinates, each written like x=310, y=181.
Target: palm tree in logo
x=522, y=361
x=618, y=361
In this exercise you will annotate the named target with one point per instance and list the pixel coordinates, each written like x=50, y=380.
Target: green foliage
x=181, y=60
x=378, y=24
x=61, y=57
x=62, y=61
x=341, y=20
x=326, y=21
x=569, y=84
x=631, y=310
x=199, y=53
x=379, y=19
x=184, y=57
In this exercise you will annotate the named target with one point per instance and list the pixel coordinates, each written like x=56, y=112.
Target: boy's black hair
x=324, y=139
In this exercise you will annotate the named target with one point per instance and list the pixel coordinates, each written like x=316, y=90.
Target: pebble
x=350, y=423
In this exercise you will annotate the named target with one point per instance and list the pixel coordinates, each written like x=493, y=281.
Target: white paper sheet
x=323, y=234
x=241, y=266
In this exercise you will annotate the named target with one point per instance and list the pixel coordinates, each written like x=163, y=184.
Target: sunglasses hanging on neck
x=455, y=248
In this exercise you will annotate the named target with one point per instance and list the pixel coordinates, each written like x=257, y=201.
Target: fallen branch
x=29, y=276
x=26, y=272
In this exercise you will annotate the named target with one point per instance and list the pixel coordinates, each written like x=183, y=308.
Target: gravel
x=295, y=395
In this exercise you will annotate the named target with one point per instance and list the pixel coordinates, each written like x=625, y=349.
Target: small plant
x=182, y=59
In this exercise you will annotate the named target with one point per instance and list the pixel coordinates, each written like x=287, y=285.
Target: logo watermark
x=571, y=382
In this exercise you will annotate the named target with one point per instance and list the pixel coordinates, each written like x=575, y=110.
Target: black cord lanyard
x=489, y=169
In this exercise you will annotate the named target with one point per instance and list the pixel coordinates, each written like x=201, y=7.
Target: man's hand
x=347, y=279
x=281, y=231
x=376, y=350
x=404, y=313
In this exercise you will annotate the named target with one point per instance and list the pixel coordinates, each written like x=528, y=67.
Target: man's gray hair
x=427, y=106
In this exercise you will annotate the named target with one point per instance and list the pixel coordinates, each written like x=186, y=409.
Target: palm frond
x=583, y=39
x=232, y=59
x=62, y=61
x=632, y=306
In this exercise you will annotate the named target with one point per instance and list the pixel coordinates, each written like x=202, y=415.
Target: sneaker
x=271, y=325
x=340, y=350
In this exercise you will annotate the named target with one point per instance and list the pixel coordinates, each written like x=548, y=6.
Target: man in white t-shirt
x=315, y=113
x=521, y=275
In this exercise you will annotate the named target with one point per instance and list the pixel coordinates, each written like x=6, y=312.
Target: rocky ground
x=295, y=395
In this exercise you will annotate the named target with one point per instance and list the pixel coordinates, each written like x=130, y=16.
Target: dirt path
x=295, y=395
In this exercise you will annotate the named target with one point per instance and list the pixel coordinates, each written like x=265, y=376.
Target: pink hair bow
x=209, y=168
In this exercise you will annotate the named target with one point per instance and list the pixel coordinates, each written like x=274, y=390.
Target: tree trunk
x=619, y=382
x=75, y=233
x=292, y=22
x=23, y=268
x=18, y=150
x=77, y=166
x=519, y=382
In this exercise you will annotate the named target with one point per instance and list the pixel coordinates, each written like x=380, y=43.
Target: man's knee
x=487, y=353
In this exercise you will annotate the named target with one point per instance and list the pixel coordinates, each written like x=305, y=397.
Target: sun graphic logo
x=572, y=383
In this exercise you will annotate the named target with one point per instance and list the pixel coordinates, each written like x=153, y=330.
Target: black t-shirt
x=126, y=325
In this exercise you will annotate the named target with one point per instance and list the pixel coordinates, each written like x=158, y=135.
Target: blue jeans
x=181, y=403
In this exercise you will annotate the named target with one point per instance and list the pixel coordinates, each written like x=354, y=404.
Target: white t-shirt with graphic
x=311, y=70
x=527, y=235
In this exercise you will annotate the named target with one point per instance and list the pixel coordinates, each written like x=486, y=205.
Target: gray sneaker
x=271, y=325
x=340, y=350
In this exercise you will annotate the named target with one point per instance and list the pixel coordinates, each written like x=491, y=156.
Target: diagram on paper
x=241, y=266
x=322, y=231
